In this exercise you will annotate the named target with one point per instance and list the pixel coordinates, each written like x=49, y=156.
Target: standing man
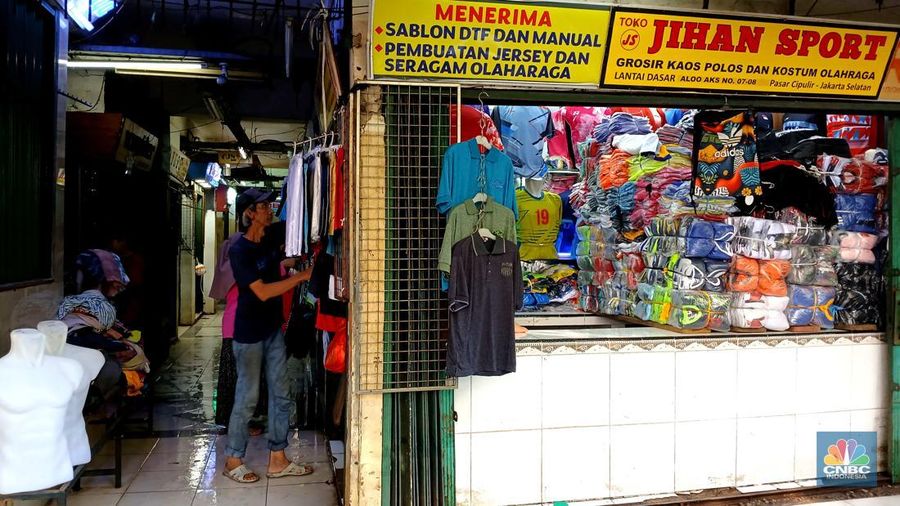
x=258, y=339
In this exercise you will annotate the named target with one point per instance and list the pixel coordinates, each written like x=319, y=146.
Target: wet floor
x=175, y=457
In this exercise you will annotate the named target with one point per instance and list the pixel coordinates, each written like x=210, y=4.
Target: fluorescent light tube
x=134, y=65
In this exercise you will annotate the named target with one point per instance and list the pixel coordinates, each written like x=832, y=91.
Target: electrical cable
x=100, y=94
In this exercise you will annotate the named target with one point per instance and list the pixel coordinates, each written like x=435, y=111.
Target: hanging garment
x=581, y=121
x=857, y=130
x=460, y=171
x=806, y=150
x=315, y=220
x=803, y=121
x=559, y=146
x=524, y=130
x=339, y=185
x=485, y=292
x=463, y=220
x=725, y=158
x=538, y=225
x=295, y=201
x=788, y=186
x=473, y=123
x=777, y=145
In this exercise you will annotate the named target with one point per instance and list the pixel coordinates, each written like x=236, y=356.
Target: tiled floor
x=184, y=471
x=181, y=465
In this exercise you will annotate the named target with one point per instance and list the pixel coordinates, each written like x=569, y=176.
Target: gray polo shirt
x=485, y=292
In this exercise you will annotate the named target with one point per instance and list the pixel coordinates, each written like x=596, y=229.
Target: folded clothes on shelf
x=762, y=239
x=693, y=309
x=813, y=265
x=766, y=277
x=750, y=311
x=811, y=305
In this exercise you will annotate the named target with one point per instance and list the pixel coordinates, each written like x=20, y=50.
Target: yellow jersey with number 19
x=538, y=225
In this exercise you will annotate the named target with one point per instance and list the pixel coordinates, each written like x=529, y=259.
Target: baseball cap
x=252, y=196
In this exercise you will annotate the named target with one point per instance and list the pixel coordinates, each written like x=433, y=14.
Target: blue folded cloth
x=856, y=213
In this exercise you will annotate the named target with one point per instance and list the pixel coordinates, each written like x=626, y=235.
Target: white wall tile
x=705, y=454
x=870, y=376
x=575, y=390
x=705, y=385
x=463, y=469
x=765, y=450
x=462, y=404
x=506, y=468
x=878, y=420
x=767, y=382
x=575, y=464
x=642, y=459
x=815, y=393
x=805, y=450
x=642, y=388
x=509, y=402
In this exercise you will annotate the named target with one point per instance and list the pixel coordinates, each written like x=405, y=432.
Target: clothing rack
x=307, y=143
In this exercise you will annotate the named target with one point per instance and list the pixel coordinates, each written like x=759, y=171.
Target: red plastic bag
x=336, y=355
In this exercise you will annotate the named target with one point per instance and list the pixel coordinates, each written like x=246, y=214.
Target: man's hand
x=304, y=275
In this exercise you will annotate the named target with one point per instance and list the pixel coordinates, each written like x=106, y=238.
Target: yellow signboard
x=659, y=50
x=488, y=41
x=890, y=89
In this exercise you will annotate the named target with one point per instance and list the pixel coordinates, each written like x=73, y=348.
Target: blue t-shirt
x=459, y=177
x=255, y=320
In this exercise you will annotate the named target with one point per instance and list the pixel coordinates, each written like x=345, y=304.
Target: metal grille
x=27, y=140
x=188, y=220
x=400, y=315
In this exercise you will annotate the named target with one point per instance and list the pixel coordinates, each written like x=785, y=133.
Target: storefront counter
x=630, y=412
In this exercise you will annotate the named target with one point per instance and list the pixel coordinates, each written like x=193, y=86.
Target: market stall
x=703, y=256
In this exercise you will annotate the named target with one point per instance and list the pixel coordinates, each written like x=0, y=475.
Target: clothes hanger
x=480, y=198
x=486, y=234
x=482, y=140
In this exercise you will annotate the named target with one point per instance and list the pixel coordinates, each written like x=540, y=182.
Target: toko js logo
x=847, y=458
x=630, y=40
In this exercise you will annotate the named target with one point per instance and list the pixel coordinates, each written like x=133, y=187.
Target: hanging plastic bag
x=336, y=355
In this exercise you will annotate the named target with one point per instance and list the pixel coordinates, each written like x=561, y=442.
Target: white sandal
x=292, y=469
x=239, y=474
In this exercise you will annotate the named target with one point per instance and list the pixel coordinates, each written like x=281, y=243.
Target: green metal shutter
x=27, y=141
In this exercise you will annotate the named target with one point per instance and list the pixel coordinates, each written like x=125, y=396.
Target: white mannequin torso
x=33, y=401
x=535, y=187
x=91, y=361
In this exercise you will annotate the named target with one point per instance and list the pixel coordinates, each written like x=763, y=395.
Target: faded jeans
x=249, y=358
